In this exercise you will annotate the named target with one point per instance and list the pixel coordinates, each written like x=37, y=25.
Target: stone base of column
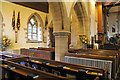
x=61, y=45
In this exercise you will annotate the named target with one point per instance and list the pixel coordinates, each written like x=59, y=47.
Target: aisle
x=118, y=77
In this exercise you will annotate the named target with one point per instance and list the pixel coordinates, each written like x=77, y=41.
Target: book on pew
x=29, y=60
x=56, y=72
x=61, y=66
x=83, y=70
x=32, y=76
x=34, y=66
x=45, y=63
x=10, y=67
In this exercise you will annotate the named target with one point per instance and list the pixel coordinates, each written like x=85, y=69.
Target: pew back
x=67, y=69
x=96, y=58
x=49, y=55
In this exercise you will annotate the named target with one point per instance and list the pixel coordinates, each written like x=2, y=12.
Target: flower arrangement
x=84, y=39
x=5, y=42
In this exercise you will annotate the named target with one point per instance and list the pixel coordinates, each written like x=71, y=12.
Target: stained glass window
x=35, y=32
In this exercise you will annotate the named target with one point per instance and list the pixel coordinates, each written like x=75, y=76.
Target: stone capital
x=61, y=33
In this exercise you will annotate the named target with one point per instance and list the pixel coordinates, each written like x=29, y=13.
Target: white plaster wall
x=0, y=21
x=0, y=30
x=114, y=9
x=0, y=5
x=112, y=20
x=7, y=11
x=93, y=21
x=0, y=26
x=93, y=25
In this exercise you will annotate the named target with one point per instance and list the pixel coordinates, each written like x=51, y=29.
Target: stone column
x=61, y=45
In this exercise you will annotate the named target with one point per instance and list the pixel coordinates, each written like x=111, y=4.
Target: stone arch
x=80, y=12
x=72, y=7
x=38, y=17
x=60, y=18
x=39, y=25
x=80, y=19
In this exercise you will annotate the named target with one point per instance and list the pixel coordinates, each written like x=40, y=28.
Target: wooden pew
x=23, y=72
x=48, y=49
x=79, y=72
x=44, y=54
x=95, y=58
x=9, y=55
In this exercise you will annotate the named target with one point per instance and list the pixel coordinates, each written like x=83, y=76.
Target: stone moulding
x=61, y=33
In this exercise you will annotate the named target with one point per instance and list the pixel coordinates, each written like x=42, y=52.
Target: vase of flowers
x=84, y=40
x=5, y=43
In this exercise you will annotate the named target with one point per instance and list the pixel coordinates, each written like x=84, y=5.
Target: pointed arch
x=59, y=14
x=35, y=28
x=38, y=16
x=79, y=23
x=82, y=16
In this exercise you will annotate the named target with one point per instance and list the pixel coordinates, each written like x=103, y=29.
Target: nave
x=81, y=64
x=16, y=67
x=64, y=40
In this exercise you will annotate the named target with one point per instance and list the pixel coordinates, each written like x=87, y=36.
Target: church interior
x=60, y=40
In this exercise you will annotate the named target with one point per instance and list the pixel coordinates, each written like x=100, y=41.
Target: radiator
x=90, y=62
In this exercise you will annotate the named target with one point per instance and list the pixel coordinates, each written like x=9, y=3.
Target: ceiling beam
x=40, y=6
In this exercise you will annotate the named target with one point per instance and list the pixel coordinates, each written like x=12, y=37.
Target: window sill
x=34, y=41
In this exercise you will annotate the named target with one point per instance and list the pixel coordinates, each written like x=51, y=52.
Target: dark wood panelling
x=41, y=6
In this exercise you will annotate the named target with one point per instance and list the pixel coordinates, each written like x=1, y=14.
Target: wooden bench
x=96, y=58
x=68, y=70
x=22, y=72
x=44, y=54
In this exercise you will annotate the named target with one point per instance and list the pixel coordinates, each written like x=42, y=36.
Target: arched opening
x=60, y=28
x=60, y=18
x=35, y=28
x=79, y=21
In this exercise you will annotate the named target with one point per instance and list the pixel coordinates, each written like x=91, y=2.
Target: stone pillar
x=61, y=45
